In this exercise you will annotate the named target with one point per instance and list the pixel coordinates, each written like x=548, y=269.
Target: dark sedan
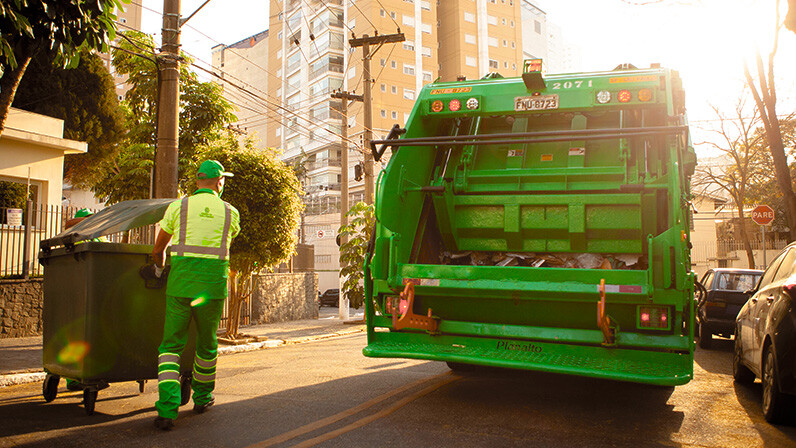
x=331, y=297
x=726, y=290
x=765, y=337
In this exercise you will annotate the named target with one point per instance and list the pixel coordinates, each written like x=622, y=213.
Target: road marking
x=439, y=381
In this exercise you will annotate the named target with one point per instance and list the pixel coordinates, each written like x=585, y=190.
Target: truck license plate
x=539, y=102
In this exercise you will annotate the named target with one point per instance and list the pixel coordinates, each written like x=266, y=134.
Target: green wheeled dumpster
x=103, y=322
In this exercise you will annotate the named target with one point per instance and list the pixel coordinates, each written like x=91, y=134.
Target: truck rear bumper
x=640, y=366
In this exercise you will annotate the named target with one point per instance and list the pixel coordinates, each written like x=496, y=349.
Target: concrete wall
x=20, y=308
x=284, y=297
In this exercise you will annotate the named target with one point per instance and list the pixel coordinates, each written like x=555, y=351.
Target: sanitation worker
x=201, y=227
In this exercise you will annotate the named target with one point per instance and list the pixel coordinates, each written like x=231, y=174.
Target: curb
x=14, y=379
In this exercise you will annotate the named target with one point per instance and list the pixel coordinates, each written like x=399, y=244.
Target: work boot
x=164, y=423
x=201, y=408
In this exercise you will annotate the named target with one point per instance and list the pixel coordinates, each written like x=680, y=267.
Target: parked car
x=765, y=336
x=331, y=297
x=726, y=290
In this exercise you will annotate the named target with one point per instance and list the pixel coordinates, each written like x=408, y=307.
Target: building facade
x=282, y=81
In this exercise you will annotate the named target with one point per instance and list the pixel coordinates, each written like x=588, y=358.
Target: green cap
x=83, y=212
x=210, y=169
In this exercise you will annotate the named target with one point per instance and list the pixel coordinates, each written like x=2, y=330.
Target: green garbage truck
x=538, y=222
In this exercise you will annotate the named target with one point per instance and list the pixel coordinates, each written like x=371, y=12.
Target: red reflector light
x=437, y=106
x=653, y=317
x=624, y=96
x=454, y=105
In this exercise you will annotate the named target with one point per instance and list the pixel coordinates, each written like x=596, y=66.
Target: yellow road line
x=349, y=412
x=383, y=413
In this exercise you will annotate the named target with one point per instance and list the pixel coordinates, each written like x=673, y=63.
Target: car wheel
x=773, y=400
x=740, y=373
x=703, y=336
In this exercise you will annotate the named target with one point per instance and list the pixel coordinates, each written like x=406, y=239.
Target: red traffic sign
x=763, y=215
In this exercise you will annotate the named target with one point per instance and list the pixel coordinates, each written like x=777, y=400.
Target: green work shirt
x=196, y=271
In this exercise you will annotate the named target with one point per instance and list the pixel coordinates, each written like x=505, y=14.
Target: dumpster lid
x=119, y=217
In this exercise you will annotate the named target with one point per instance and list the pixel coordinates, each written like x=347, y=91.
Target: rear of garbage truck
x=538, y=222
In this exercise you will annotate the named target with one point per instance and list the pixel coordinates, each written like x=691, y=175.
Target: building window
x=394, y=89
x=425, y=28
x=469, y=39
x=384, y=87
x=409, y=69
x=426, y=52
x=503, y=21
x=279, y=36
x=471, y=61
x=493, y=63
x=394, y=115
x=279, y=131
x=505, y=64
x=383, y=113
x=427, y=77
x=352, y=23
x=409, y=45
x=505, y=43
x=393, y=15
x=383, y=62
x=425, y=5
x=393, y=64
x=409, y=94
x=512, y=44
x=493, y=42
x=382, y=13
x=537, y=26
x=512, y=23
x=469, y=17
x=408, y=20
x=279, y=54
x=492, y=20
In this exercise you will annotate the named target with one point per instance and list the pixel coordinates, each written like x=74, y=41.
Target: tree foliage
x=353, y=251
x=268, y=195
x=85, y=98
x=743, y=163
x=203, y=114
x=61, y=28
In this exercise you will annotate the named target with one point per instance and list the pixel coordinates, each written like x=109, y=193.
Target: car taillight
x=653, y=317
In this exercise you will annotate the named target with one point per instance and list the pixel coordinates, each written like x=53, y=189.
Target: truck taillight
x=653, y=318
x=624, y=96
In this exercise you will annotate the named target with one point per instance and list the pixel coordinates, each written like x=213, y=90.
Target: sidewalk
x=21, y=358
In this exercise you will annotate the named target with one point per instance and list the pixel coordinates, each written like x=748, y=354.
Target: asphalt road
x=327, y=394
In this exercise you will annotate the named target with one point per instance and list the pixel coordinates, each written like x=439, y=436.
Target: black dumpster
x=102, y=322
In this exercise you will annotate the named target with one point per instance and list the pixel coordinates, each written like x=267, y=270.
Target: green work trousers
x=179, y=312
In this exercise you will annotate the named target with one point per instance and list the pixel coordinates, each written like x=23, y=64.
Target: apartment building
x=305, y=56
x=241, y=71
x=128, y=18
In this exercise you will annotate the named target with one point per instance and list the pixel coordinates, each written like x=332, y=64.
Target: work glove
x=153, y=275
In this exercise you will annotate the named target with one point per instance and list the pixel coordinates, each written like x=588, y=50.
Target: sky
x=707, y=41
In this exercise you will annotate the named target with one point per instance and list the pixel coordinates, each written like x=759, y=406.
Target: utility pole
x=168, y=103
x=345, y=97
x=365, y=42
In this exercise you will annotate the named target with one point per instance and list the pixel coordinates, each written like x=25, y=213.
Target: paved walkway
x=21, y=358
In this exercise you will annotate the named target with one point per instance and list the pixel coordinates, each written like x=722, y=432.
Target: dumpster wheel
x=90, y=399
x=50, y=387
x=185, y=388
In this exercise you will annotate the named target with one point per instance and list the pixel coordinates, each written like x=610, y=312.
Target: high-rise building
x=242, y=65
x=305, y=56
x=128, y=18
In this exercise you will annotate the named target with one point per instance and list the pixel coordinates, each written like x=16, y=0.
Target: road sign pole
x=763, y=231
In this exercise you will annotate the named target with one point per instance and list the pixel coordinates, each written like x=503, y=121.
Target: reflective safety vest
x=203, y=226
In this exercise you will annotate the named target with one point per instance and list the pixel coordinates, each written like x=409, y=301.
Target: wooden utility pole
x=365, y=42
x=168, y=103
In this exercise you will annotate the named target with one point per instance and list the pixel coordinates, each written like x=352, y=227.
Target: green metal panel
x=584, y=178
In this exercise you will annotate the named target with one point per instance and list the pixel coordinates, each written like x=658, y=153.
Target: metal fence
x=19, y=244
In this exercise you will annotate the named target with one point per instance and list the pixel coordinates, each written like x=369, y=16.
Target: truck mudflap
x=663, y=368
